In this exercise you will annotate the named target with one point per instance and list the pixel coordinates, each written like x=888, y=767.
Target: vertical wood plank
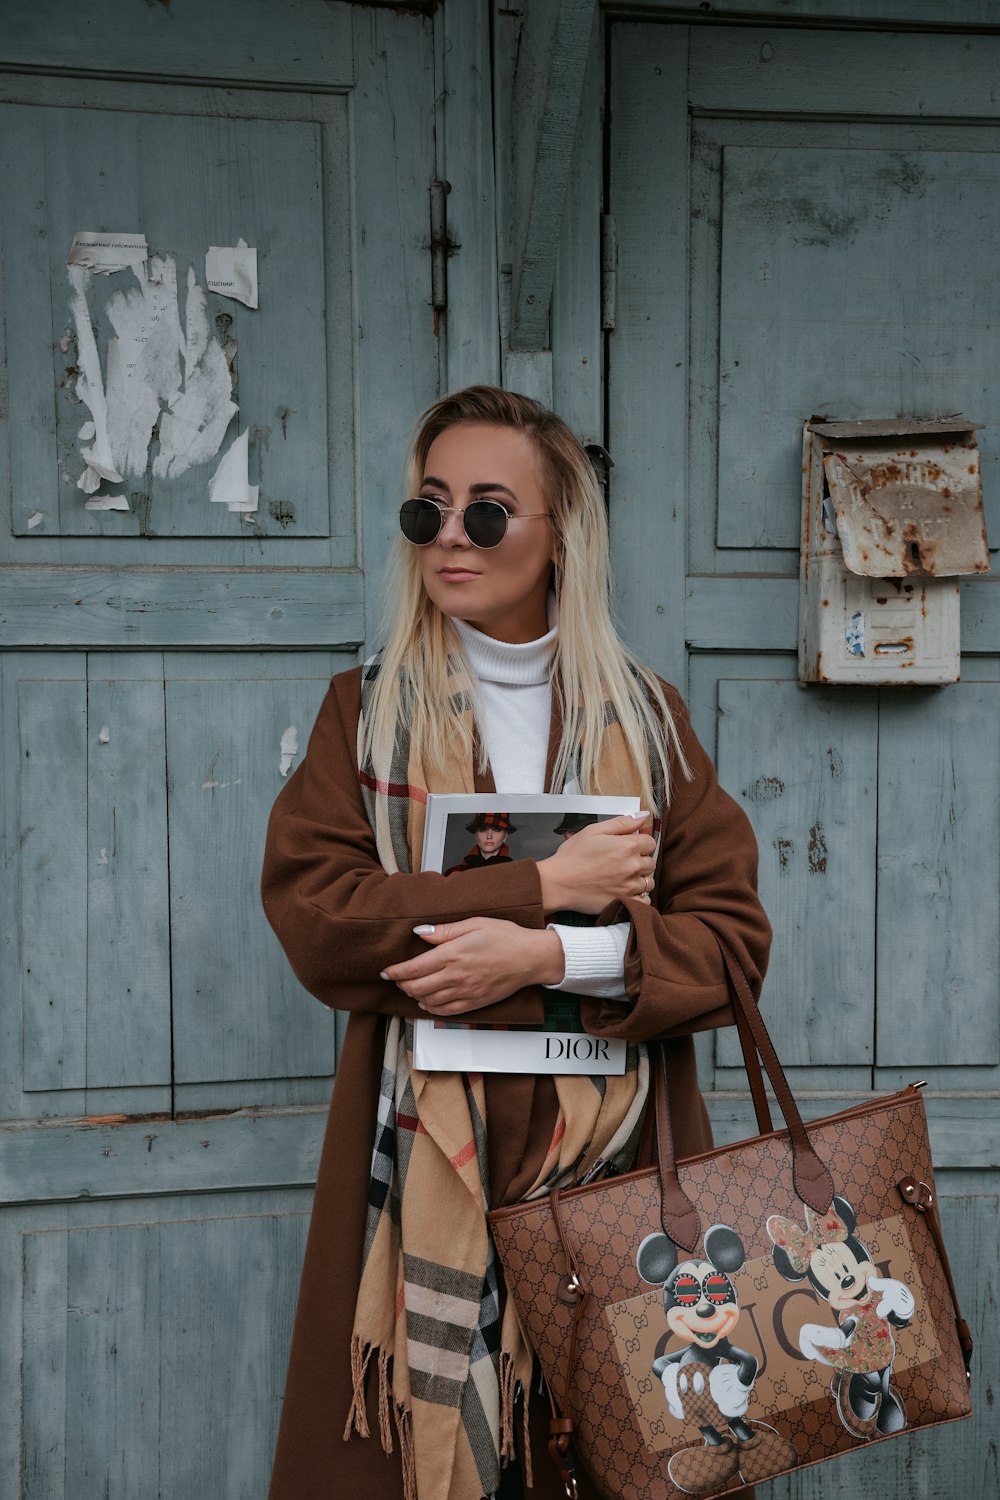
x=52, y=874
x=465, y=146
x=238, y=1012
x=113, y=1316
x=803, y=766
x=939, y=876
x=231, y=1278
x=648, y=353
x=44, y=1369
x=128, y=956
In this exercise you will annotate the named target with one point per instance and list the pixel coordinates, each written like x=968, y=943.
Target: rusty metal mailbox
x=892, y=514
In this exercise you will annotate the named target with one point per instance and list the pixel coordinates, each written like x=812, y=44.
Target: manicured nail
x=421, y=1005
x=383, y=975
x=424, y=930
x=640, y=817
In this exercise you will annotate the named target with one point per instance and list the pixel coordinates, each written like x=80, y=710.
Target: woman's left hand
x=475, y=963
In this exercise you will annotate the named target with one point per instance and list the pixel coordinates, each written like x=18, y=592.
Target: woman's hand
x=608, y=861
x=475, y=963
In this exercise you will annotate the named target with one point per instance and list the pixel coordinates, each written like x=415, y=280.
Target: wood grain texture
x=241, y=41
x=939, y=876
x=803, y=766
x=647, y=379
x=238, y=1012
x=128, y=951
x=113, y=608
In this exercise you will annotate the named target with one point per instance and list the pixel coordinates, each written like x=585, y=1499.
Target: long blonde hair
x=591, y=666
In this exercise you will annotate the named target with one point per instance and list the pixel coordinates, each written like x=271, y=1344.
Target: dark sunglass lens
x=485, y=523
x=419, y=521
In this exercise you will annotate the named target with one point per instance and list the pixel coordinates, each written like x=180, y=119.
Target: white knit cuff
x=595, y=960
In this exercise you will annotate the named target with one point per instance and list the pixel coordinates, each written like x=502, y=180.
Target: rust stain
x=817, y=850
x=764, y=789
x=784, y=848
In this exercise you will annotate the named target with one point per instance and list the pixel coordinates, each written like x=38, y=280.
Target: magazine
x=469, y=831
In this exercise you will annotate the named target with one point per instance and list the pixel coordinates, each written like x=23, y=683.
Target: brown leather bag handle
x=811, y=1177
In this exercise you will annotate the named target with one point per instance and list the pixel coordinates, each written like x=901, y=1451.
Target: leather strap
x=920, y=1197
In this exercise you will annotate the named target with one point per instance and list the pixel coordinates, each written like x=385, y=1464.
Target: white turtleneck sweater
x=515, y=691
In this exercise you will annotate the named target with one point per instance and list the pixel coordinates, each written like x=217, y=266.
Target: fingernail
x=383, y=975
x=423, y=930
x=640, y=817
x=421, y=1005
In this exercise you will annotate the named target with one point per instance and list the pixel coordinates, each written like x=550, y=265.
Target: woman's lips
x=456, y=575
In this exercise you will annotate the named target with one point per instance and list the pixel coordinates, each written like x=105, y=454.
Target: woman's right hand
x=608, y=861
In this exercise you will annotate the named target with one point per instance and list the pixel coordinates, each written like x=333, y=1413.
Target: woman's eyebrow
x=474, y=489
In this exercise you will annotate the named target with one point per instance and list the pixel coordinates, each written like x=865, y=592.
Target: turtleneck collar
x=524, y=665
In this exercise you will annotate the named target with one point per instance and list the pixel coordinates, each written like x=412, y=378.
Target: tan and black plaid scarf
x=428, y=1304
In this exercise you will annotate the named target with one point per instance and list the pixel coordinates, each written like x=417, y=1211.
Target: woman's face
x=490, y=839
x=501, y=590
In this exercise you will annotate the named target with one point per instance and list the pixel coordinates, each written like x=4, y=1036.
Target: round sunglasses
x=485, y=521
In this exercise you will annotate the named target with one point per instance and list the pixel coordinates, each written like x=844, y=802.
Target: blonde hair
x=591, y=666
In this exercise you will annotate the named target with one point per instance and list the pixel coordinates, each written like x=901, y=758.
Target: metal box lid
x=907, y=496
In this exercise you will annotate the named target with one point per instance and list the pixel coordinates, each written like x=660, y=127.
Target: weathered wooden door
x=163, y=656
x=806, y=224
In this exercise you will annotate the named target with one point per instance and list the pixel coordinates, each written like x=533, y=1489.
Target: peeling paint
x=817, y=850
x=289, y=749
x=764, y=789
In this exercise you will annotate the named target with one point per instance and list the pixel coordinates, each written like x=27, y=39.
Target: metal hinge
x=440, y=245
x=609, y=271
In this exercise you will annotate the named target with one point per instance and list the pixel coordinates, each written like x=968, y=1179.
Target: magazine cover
x=468, y=832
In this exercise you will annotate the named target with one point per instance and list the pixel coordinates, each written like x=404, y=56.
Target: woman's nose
x=452, y=533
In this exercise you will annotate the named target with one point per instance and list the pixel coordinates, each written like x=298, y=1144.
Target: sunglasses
x=485, y=521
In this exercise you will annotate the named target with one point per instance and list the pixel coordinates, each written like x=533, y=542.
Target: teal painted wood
x=128, y=958
x=465, y=139
x=240, y=41
x=280, y=388
x=238, y=1012
x=939, y=836
x=397, y=372
x=804, y=767
x=193, y=607
x=646, y=375
x=52, y=874
x=136, y=1330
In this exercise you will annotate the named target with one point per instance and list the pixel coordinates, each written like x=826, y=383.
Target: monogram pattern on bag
x=867, y=1153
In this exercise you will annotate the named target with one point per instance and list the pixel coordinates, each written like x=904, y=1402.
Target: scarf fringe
x=357, y=1417
x=508, y=1386
x=404, y=1431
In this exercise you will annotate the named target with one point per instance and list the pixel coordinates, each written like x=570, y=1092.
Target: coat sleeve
x=706, y=889
x=339, y=917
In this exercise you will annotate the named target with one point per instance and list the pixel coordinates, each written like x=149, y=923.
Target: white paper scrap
x=87, y=431
x=104, y=737
x=144, y=361
x=289, y=749
x=232, y=271
x=90, y=388
x=107, y=502
x=105, y=253
x=192, y=429
x=230, y=484
x=35, y=519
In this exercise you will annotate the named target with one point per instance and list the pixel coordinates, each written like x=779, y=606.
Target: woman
x=501, y=672
x=491, y=830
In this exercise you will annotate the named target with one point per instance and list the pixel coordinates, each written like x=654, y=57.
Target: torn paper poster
x=289, y=749
x=855, y=634
x=144, y=361
x=104, y=253
x=35, y=519
x=230, y=484
x=192, y=429
x=107, y=502
x=231, y=270
x=90, y=388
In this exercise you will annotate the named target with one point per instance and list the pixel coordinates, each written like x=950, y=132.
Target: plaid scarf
x=428, y=1308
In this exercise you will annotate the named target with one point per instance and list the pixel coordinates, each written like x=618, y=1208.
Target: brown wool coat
x=341, y=919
